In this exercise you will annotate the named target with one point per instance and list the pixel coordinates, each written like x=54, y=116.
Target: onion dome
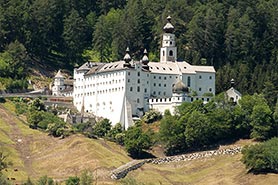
x=168, y=28
x=179, y=87
x=145, y=59
x=127, y=57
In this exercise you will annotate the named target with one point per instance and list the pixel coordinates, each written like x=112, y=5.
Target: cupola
x=168, y=28
x=179, y=87
x=232, y=82
x=145, y=59
x=127, y=58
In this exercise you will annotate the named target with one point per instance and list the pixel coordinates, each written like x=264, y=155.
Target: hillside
x=35, y=154
x=227, y=170
x=238, y=38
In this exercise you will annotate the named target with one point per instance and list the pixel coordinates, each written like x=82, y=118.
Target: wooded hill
x=238, y=37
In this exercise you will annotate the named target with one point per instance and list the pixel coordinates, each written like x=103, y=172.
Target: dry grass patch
x=60, y=158
x=226, y=170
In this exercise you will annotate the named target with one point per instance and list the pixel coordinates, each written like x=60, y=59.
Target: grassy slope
x=35, y=154
x=226, y=170
x=38, y=154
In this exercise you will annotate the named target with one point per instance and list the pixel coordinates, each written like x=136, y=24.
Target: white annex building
x=124, y=90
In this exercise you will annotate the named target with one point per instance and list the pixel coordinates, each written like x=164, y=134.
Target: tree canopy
x=239, y=38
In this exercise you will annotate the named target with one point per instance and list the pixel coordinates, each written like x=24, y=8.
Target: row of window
x=178, y=98
x=159, y=85
x=114, y=74
x=200, y=77
x=210, y=89
x=100, y=92
x=100, y=83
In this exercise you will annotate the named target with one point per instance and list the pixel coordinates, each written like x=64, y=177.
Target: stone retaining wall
x=122, y=171
x=197, y=155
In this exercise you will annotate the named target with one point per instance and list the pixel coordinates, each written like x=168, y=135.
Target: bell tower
x=168, y=50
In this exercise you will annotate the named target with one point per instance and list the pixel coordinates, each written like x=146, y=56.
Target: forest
x=238, y=37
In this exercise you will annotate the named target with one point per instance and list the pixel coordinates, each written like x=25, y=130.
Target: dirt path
x=22, y=142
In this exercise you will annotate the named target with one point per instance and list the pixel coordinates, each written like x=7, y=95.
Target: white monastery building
x=124, y=90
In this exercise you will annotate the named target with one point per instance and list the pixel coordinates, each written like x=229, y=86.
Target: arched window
x=170, y=53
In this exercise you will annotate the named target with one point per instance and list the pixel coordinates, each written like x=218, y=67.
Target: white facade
x=233, y=95
x=126, y=89
x=61, y=86
x=58, y=85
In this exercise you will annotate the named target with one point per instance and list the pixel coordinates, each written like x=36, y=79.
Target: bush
x=102, y=128
x=21, y=108
x=72, y=181
x=136, y=141
x=117, y=129
x=44, y=180
x=261, y=158
x=152, y=116
x=86, y=178
x=2, y=100
x=17, y=85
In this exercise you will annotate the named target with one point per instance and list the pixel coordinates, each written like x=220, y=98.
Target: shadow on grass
x=143, y=155
x=263, y=171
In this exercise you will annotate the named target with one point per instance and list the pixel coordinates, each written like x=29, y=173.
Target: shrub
x=152, y=116
x=136, y=141
x=102, y=128
x=2, y=100
x=72, y=181
x=261, y=158
x=44, y=180
x=117, y=129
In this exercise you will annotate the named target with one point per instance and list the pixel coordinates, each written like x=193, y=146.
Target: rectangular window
x=138, y=89
x=200, y=77
x=146, y=90
x=138, y=74
x=130, y=89
x=200, y=89
x=210, y=77
x=188, y=81
x=138, y=81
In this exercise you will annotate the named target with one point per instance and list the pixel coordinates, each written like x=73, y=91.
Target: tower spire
x=168, y=50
